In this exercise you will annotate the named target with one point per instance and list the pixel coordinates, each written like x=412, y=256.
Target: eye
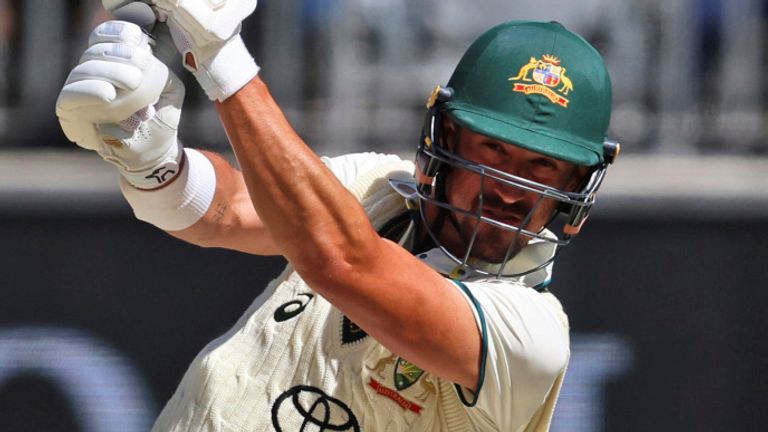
x=545, y=163
x=493, y=146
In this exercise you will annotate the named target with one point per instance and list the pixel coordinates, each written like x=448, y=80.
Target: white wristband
x=180, y=204
x=227, y=71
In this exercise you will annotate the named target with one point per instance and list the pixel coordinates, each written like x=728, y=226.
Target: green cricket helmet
x=535, y=85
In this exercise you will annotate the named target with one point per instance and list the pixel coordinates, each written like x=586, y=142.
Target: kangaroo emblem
x=378, y=369
x=523, y=74
x=567, y=84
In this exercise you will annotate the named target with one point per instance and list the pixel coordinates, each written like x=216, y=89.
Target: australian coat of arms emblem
x=546, y=77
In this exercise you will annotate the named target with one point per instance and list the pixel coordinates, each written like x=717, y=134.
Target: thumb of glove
x=145, y=145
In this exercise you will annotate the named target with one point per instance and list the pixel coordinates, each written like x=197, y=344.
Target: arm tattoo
x=221, y=209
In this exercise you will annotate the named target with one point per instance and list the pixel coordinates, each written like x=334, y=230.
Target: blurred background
x=100, y=314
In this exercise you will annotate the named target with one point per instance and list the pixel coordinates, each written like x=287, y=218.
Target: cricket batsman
x=416, y=294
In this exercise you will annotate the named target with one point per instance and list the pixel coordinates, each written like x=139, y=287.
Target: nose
x=507, y=194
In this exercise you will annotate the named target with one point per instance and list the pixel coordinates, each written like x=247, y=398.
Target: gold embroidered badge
x=546, y=75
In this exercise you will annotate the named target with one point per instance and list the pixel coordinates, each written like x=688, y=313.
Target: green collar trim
x=484, y=332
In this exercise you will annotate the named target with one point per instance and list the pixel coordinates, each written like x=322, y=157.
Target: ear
x=450, y=133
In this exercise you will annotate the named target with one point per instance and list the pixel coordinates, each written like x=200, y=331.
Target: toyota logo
x=309, y=409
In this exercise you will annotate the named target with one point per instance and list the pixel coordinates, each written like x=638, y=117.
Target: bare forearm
x=310, y=215
x=231, y=221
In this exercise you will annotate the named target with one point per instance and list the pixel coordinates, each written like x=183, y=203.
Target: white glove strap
x=161, y=171
x=180, y=204
x=227, y=71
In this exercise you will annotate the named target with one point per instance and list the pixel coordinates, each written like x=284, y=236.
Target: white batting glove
x=125, y=104
x=207, y=34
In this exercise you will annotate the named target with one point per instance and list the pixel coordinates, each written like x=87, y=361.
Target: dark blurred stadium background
x=100, y=314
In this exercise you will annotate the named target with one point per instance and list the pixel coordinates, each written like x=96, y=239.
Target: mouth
x=505, y=216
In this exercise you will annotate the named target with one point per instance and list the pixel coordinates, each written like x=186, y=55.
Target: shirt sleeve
x=349, y=167
x=525, y=348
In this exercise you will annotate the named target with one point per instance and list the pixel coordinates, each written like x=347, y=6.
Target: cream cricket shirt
x=295, y=363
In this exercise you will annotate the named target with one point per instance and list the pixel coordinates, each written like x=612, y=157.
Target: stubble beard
x=492, y=244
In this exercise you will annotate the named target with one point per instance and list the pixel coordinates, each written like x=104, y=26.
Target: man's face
x=508, y=204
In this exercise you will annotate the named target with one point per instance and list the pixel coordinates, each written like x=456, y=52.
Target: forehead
x=471, y=140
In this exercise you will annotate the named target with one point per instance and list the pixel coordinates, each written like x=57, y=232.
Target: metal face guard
x=574, y=206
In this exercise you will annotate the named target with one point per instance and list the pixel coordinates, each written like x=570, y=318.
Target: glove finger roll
x=85, y=97
x=118, y=53
x=156, y=77
x=119, y=32
x=122, y=76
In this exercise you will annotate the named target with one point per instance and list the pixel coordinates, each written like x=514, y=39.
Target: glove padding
x=207, y=34
x=123, y=103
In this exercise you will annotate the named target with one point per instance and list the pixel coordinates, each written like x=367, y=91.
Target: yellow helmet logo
x=548, y=74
